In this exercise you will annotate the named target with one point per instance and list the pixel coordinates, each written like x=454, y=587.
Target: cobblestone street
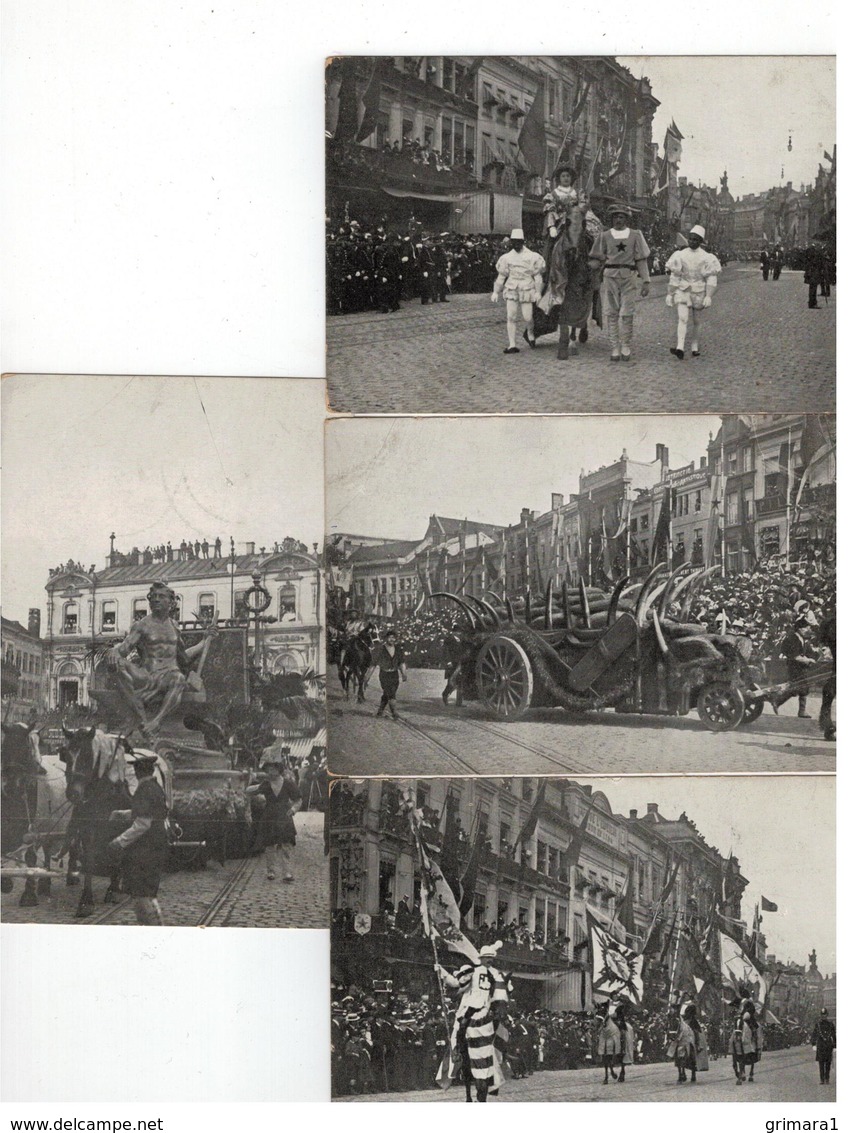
x=782, y=1076
x=761, y=348
x=192, y=896
x=431, y=739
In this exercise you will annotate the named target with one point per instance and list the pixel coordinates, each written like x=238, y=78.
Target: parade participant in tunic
x=686, y=1043
x=609, y=1046
x=144, y=844
x=621, y=252
x=275, y=832
x=693, y=278
x=390, y=660
x=824, y=1040
x=519, y=279
x=479, y=1038
x=746, y=1042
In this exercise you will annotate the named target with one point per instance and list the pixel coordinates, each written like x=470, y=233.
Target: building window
x=732, y=508
x=387, y=884
x=479, y=910
x=288, y=602
x=643, y=523
x=139, y=608
x=70, y=618
x=747, y=459
x=731, y=463
x=109, y=616
x=239, y=607
x=748, y=504
x=698, y=500
x=206, y=607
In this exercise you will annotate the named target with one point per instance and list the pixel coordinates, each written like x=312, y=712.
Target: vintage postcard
x=163, y=650
x=581, y=595
x=551, y=234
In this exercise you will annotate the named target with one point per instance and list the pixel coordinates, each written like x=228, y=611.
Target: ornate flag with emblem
x=616, y=969
x=738, y=971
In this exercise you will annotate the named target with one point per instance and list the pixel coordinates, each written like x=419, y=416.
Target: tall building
x=465, y=114
x=579, y=858
x=90, y=608
x=22, y=650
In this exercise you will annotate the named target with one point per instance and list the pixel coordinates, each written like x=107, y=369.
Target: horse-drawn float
x=634, y=650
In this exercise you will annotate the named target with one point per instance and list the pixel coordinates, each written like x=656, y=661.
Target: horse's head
x=89, y=758
x=368, y=634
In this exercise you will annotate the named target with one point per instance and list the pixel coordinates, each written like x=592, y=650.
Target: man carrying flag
x=479, y=1036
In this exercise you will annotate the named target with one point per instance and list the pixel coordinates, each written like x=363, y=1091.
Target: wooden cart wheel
x=721, y=707
x=753, y=710
x=504, y=678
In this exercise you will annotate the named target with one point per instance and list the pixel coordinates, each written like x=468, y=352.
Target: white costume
x=520, y=275
x=691, y=272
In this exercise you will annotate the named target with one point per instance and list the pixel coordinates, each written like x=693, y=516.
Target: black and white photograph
x=551, y=234
x=164, y=741
x=613, y=595
x=612, y=940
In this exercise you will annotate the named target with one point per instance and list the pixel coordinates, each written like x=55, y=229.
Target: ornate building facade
x=90, y=608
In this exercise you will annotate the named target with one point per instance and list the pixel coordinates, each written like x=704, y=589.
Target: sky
x=152, y=459
x=737, y=112
x=386, y=476
x=782, y=829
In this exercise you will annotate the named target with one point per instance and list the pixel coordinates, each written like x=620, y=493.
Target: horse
x=96, y=785
x=356, y=661
x=35, y=813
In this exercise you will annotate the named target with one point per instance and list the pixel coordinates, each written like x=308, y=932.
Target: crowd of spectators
x=410, y=158
x=385, y=1042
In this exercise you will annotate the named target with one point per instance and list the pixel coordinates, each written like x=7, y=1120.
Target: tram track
x=212, y=911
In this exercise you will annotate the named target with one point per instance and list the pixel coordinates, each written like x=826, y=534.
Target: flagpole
x=723, y=485
x=788, y=491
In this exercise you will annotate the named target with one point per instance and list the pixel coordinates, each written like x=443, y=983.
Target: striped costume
x=479, y=1037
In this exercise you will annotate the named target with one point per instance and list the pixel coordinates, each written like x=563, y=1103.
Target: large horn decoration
x=670, y=587
x=496, y=598
x=471, y=614
x=584, y=604
x=549, y=605
x=661, y=641
x=566, y=608
x=612, y=611
x=696, y=584
x=487, y=609
x=643, y=593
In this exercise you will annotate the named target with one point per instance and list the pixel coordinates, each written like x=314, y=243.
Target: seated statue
x=154, y=669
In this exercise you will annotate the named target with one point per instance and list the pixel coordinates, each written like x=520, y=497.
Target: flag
x=616, y=969
x=449, y=856
x=532, y=820
x=624, y=519
x=605, y=547
x=371, y=106
x=673, y=147
x=768, y=906
x=738, y=972
x=571, y=855
x=469, y=878
x=531, y=140
x=624, y=904
x=663, y=530
x=347, y=123
x=714, y=523
x=439, y=910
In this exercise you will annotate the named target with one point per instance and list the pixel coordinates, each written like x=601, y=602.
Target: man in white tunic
x=520, y=279
x=692, y=279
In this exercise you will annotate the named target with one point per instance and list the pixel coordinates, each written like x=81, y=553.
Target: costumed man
x=686, y=1043
x=610, y=1046
x=144, y=845
x=777, y=263
x=479, y=1038
x=794, y=648
x=746, y=1043
x=621, y=252
x=824, y=1040
x=692, y=280
x=765, y=264
x=519, y=279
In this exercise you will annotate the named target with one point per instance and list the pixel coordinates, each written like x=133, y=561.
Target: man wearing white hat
x=520, y=280
x=692, y=279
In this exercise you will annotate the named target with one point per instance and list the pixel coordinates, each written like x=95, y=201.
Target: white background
x=162, y=200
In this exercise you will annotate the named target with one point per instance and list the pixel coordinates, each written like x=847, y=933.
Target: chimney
x=34, y=621
x=556, y=500
x=703, y=463
x=653, y=808
x=662, y=455
x=250, y=548
x=634, y=813
x=525, y=514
